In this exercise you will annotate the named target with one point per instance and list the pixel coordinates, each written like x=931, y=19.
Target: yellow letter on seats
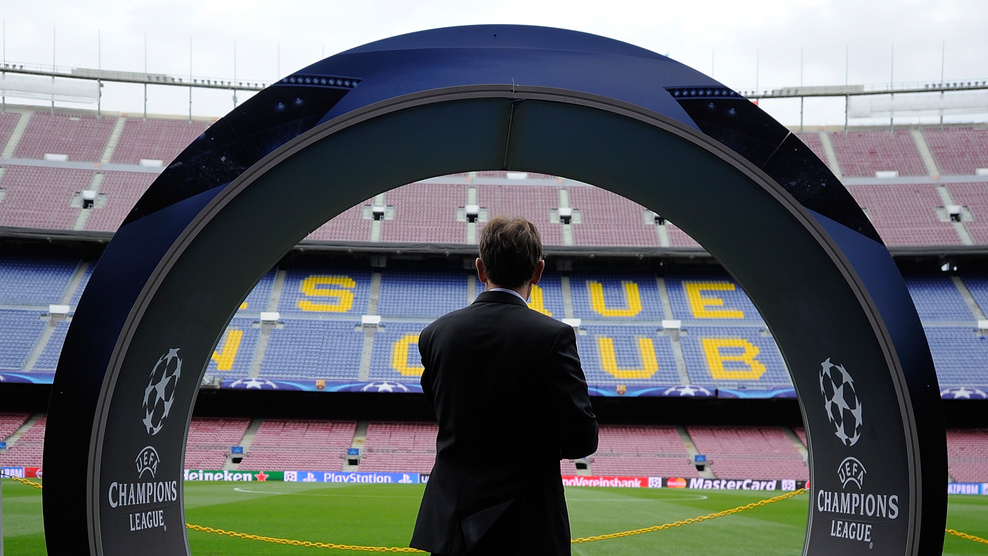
x=399, y=356
x=716, y=358
x=225, y=357
x=632, y=300
x=311, y=286
x=646, y=351
x=701, y=305
x=537, y=302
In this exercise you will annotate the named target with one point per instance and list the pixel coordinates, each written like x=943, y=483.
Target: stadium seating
x=210, y=439
x=967, y=455
x=399, y=447
x=733, y=356
x=973, y=196
x=937, y=298
x=122, y=191
x=610, y=296
x=10, y=422
x=958, y=151
x=42, y=197
x=21, y=331
x=978, y=286
x=34, y=281
x=257, y=300
x=426, y=212
x=48, y=360
x=82, y=137
x=421, y=293
x=313, y=445
x=534, y=203
x=640, y=451
x=233, y=355
x=862, y=154
x=327, y=291
x=8, y=121
x=815, y=143
x=395, y=356
x=319, y=337
x=710, y=297
x=350, y=225
x=155, y=139
x=627, y=355
x=679, y=238
x=749, y=452
x=959, y=354
x=610, y=220
x=906, y=214
x=29, y=449
x=313, y=349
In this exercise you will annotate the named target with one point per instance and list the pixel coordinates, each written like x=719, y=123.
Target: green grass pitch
x=383, y=515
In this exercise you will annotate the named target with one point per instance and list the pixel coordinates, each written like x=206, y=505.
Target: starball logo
x=160, y=391
x=841, y=402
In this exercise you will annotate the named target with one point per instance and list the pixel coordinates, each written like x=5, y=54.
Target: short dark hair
x=510, y=250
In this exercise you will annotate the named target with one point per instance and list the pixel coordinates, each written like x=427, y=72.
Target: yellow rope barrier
x=581, y=540
x=691, y=520
x=957, y=533
x=291, y=542
x=26, y=482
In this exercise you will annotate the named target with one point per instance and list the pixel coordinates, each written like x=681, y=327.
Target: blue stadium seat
x=711, y=298
x=34, y=281
x=425, y=293
x=641, y=356
x=328, y=290
x=612, y=296
x=307, y=349
x=727, y=356
x=401, y=336
x=21, y=331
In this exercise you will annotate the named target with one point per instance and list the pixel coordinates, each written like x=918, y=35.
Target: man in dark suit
x=511, y=401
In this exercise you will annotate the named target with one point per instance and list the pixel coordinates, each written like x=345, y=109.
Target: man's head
x=511, y=252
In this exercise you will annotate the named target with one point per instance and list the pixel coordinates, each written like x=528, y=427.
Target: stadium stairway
x=17, y=434
x=925, y=154
x=706, y=472
x=969, y=300
x=828, y=149
x=959, y=227
x=359, y=438
x=246, y=441
x=798, y=444
x=17, y=133
x=67, y=295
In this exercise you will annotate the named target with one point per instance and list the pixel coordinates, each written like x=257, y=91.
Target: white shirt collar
x=516, y=294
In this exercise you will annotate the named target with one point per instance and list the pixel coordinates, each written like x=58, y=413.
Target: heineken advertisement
x=233, y=476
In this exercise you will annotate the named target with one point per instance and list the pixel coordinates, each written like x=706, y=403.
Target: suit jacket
x=511, y=400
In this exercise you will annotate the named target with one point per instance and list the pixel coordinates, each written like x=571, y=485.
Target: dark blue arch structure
x=495, y=97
